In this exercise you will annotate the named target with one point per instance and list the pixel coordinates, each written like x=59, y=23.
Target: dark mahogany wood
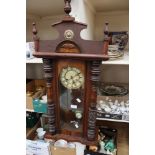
x=71, y=50
x=91, y=131
x=48, y=69
x=94, y=79
x=95, y=73
x=69, y=55
x=86, y=46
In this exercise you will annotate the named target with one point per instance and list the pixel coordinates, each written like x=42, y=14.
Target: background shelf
x=112, y=120
x=120, y=61
x=34, y=60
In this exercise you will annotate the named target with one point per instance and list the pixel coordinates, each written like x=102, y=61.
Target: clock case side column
x=93, y=72
x=48, y=66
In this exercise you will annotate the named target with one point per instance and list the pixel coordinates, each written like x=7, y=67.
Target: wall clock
x=71, y=70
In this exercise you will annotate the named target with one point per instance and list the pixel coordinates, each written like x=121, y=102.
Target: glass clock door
x=71, y=86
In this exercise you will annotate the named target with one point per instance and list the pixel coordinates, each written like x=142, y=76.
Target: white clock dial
x=70, y=81
x=70, y=74
x=81, y=79
x=76, y=78
x=71, y=78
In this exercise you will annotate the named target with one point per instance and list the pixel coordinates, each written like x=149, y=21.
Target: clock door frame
x=60, y=64
x=92, y=71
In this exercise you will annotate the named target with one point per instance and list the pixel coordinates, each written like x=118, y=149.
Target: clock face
x=71, y=78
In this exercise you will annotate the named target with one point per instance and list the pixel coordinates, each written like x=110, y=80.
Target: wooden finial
x=67, y=7
x=35, y=37
x=34, y=30
x=106, y=42
x=106, y=31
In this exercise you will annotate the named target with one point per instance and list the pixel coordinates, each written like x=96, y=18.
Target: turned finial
x=35, y=37
x=67, y=7
x=106, y=31
x=106, y=42
x=34, y=30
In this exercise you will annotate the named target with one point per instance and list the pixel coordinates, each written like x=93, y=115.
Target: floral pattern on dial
x=71, y=78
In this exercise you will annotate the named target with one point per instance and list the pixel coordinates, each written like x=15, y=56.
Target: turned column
x=48, y=69
x=95, y=73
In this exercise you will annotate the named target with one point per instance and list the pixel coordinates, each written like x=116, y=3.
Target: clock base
x=70, y=138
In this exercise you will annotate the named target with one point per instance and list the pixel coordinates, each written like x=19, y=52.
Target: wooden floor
x=122, y=135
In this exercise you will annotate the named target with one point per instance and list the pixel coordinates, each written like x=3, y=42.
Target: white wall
x=84, y=12
x=115, y=73
x=118, y=21
x=45, y=30
x=34, y=71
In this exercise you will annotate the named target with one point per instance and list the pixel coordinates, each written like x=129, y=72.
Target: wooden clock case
x=71, y=50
